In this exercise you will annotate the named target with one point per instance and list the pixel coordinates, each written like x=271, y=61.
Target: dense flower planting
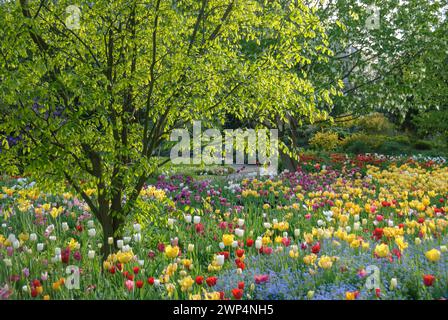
x=316, y=233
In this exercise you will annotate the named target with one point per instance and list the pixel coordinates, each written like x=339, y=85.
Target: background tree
x=93, y=103
x=390, y=59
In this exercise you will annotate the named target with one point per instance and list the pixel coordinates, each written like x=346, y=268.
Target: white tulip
x=297, y=233
x=65, y=226
x=390, y=223
x=137, y=227
x=91, y=232
x=190, y=247
x=285, y=234
x=239, y=232
x=320, y=223
x=348, y=229
x=221, y=245
x=141, y=262
x=234, y=244
x=120, y=244
x=25, y=288
x=356, y=226
x=33, y=237
x=267, y=225
x=187, y=218
x=220, y=260
x=90, y=224
x=52, y=238
x=258, y=244
x=356, y=217
x=16, y=244
x=91, y=254
x=240, y=222
x=274, y=221
x=12, y=238
x=57, y=251
x=110, y=240
x=364, y=222
x=393, y=283
x=137, y=237
x=127, y=239
x=40, y=246
x=196, y=219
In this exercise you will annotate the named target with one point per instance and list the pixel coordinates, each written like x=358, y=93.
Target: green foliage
x=326, y=141
x=432, y=123
x=375, y=123
x=94, y=103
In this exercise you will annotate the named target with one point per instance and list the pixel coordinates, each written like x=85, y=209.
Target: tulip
x=119, y=244
x=110, y=240
x=310, y=294
x=57, y=251
x=190, y=247
x=137, y=227
x=40, y=246
x=239, y=232
x=258, y=244
x=240, y=222
x=297, y=233
x=91, y=232
x=220, y=260
x=33, y=237
x=393, y=283
x=52, y=238
x=91, y=254
x=137, y=237
x=196, y=219
x=170, y=222
x=187, y=218
x=65, y=226
x=90, y=224
x=129, y=285
x=126, y=240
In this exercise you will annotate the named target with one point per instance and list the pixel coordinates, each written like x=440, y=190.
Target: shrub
x=375, y=123
x=422, y=145
x=327, y=141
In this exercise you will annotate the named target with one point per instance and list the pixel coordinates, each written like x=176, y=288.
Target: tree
x=388, y=56
x=92, y=102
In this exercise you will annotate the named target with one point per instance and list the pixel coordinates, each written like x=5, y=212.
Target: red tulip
x=34, y=292
x=316, y=248
x=36, y=283
x=211, y=281
x=240, y=252
x=249, y=242
x=241, y=285
x=199, y=280
x=136, y=270
x=151, y=280
x=428, y=280
x=237, y=293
